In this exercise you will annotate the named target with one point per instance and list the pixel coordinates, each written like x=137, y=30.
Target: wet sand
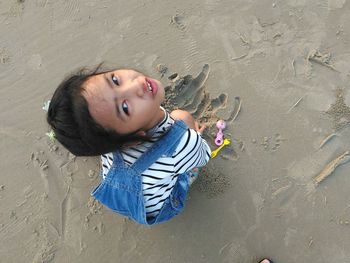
x=277, y=71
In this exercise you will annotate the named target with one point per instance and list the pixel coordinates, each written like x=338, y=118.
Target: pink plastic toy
x=221, y=125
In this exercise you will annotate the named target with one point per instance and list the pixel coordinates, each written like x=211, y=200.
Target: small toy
x=215, y=152
x=221, y=125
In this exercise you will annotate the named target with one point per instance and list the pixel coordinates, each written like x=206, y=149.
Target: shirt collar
x=162, y=127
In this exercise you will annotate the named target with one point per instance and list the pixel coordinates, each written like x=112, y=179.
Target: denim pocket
x=177, y=198
x=112, y=198
x=176, y=201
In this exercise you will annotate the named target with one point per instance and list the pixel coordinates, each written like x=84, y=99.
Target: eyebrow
x=111, y=86
x=108, y=80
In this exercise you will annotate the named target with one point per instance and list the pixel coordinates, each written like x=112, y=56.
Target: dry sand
x=286, y=62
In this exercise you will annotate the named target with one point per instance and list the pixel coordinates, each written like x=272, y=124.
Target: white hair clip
x=46, y=105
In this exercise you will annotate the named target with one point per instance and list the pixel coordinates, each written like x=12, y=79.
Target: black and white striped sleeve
x=106, y=163
x=192, y=151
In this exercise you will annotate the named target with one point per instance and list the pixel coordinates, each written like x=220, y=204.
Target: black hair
x=70, y=119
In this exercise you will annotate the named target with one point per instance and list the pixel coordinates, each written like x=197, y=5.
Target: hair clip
x=46, y=105
x=51, y=135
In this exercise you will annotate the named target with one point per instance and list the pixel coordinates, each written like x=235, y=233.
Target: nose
x=140, y=89
x=134, y=87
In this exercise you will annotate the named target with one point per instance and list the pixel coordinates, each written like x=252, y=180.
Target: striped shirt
x=159, y=179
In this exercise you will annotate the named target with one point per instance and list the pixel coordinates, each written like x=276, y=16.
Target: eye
x=115, y=80
x=125, y=108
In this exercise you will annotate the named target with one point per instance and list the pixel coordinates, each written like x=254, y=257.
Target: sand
x=277, y=71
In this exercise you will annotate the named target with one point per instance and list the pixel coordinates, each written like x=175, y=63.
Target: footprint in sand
x=4, y=56
x=189, y=94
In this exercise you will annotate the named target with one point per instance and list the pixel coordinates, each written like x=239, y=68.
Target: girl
x=149, y=157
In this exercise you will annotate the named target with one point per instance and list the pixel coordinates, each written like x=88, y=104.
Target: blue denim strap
x=118, y=160
x=163, y=145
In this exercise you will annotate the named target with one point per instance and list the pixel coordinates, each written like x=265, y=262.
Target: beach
x=276, y=71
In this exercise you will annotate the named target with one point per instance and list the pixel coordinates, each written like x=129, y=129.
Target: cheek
x=104, y=114
x=104, y=119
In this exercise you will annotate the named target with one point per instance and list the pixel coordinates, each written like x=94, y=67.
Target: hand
x=199, y=128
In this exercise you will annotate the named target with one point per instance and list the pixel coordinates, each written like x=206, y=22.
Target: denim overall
x=121, y=190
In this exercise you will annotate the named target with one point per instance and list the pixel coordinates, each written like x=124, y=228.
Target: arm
x=193, y=150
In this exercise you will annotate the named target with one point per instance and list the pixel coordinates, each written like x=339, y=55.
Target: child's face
x=124, y=100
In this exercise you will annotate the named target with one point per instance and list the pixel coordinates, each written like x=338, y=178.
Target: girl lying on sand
x=149, y=156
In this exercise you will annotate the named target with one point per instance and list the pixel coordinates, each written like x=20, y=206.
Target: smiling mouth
x=151, y=86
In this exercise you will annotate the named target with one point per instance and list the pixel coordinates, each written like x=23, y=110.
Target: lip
x=153, y=85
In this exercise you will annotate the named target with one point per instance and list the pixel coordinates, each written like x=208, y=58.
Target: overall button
x=176, y=202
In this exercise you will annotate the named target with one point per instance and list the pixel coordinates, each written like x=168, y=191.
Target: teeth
x=149, y=87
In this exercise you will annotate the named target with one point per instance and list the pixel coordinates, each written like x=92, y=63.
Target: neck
x=157, y=119
x=160, y=117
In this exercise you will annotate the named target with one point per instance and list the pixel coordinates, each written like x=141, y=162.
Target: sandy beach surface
x=277, y=71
